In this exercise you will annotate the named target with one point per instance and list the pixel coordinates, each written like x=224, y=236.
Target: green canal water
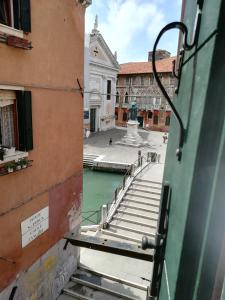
x=98, y=189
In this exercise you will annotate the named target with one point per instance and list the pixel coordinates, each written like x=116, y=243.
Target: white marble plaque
x=34, y=226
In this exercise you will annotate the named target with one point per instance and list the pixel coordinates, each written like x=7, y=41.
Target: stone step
x=141, y=195
x=121, y=237
x=141, y=202
x=144, y=190
x=113, y=278
x=125, y=212
x=128, y=228
x=140, y=184
x=72, y=295
x=103, y=290
x=143, y=198
x=148, y=181
x=138, y=208
x=137, y=224
x=90, y=155
x=128, y=234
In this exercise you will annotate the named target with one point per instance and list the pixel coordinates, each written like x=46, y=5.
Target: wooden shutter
x=16, y=13
x=24, y=110
x=25, y=15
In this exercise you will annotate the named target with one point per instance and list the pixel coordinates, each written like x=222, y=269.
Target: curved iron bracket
x=186, y=46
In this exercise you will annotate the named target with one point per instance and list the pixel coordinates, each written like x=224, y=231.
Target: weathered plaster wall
x=50, y=70
x=47, y=276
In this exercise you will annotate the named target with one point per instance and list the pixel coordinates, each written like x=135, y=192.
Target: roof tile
x=163, y=66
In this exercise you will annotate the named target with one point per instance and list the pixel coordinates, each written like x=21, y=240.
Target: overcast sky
x=131, y=26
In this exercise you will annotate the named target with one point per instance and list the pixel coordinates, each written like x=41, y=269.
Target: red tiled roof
x=163, y=66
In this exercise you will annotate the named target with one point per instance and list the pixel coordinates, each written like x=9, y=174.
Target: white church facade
x=100, y=83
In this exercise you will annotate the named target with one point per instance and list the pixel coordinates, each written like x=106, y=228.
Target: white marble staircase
x=137, y=213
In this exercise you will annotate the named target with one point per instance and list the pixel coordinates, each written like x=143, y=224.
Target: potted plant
x=23, y=163
x=18, y=165
x=10, y=166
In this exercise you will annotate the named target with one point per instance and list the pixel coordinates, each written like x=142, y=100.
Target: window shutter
x=25, y=15
x=16, y=13
x=24, y=109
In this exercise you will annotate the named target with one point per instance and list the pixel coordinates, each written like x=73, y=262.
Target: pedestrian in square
x=165, y=138
x=110, y=141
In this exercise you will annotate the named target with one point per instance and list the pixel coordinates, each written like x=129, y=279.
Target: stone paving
x=98, y=144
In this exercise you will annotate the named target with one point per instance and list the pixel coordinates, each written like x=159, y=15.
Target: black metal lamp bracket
x=185, y=47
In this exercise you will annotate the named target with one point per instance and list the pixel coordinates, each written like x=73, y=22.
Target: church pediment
x=100, y=52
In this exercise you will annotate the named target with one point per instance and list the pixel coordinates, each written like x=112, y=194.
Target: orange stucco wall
x=49, y=70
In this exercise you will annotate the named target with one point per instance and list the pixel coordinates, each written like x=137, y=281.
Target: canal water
x=98, y=189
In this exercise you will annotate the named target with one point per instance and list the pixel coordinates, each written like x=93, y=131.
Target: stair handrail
x=135, y=168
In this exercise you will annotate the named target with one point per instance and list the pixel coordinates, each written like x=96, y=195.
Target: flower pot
x=24, y=166
x=10, y=170
x=18, y=167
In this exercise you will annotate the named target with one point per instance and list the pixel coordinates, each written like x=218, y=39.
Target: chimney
x=160, y=54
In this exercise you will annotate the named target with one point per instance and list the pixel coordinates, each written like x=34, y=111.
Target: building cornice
x=103, y=66
x=84, y=3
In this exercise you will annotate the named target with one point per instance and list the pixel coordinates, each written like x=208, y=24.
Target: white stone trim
x=11, y=31
x=11, y=87
x=17, y=155
x=6, y=96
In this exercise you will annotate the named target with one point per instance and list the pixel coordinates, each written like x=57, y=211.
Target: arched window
x=155, y=117
x=124, y=116
x=126, y=98
x=155, y=120
x=117, y=97
x=150, y=114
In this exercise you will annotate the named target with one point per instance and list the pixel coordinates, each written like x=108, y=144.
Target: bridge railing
x=105, y=212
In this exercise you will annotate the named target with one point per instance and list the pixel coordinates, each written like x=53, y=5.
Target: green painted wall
x=196, y=224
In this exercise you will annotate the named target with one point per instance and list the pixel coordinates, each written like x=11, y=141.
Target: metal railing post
x=103, y=213
x=139, y=158
x=148, y=156
x=132, y=171
x=116, y=193
x=124, y=182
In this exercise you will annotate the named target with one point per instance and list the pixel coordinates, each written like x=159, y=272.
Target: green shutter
x=25, y=15
x=24, y=109
x=16, y=13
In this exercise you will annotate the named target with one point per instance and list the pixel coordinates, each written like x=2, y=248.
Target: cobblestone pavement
x=98, y=144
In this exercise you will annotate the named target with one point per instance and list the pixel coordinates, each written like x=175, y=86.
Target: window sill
x=15, y=156
x=11, y=31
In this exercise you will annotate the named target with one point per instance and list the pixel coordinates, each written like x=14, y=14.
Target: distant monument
x=133, y=111
x=132, y=138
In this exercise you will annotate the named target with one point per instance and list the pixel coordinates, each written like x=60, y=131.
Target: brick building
x=41, y=121
x=136, y=83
